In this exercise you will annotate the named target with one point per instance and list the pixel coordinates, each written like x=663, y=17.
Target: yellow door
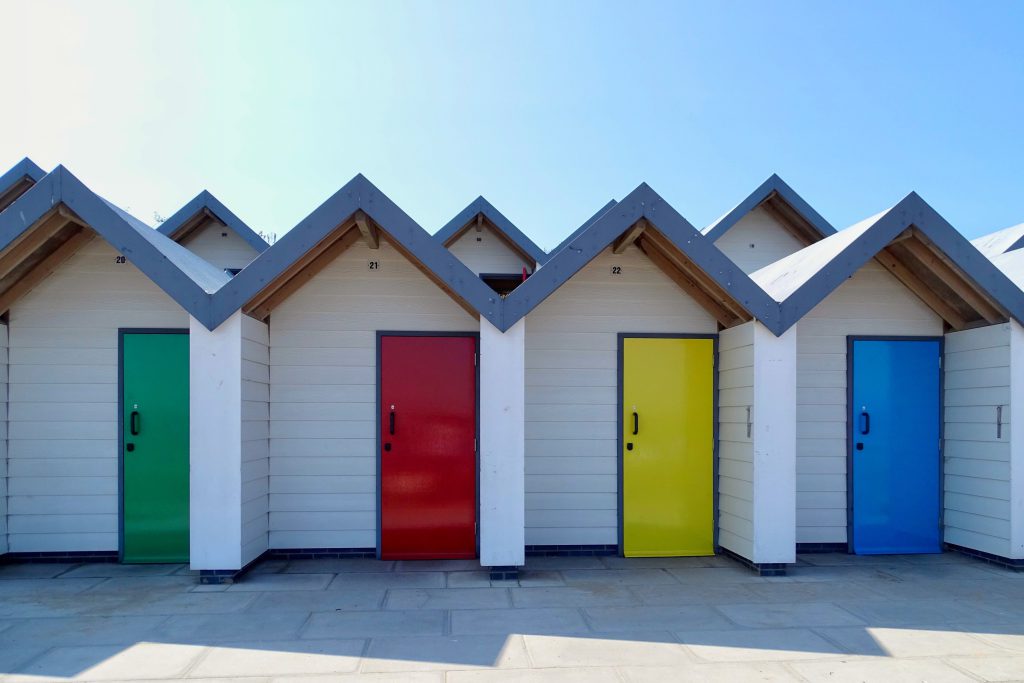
x=667, y=447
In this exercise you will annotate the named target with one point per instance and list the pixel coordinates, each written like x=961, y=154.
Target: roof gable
x=505, y=229
x=204, y=206
x=670, y=241
x=16, y=181
x=357, y=210
x=785, y=205
x=59, y=211
x=1000, y=242
x=916, y=245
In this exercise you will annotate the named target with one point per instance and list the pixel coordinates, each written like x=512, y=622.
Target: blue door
x=894, y=419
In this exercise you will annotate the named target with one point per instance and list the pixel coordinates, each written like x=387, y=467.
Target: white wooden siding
x=486, y=252
x=63, y=412
x=572, y=391
x=3, y=439
x=756, y=240
x=220, y=246
x=323, y=392
x=255, y=438
x=872, y=302
x=735, y=448
x=977, y=461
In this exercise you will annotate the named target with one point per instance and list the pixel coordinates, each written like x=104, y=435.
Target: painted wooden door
x=428, y=447
x=668, y=447
x=155, y=469
x=895, y=435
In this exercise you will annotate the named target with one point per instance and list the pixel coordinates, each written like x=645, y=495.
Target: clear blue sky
x=548, y=109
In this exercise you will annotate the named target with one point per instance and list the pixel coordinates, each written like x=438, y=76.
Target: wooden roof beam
x=952, y=277
x=45, y=268
x=32, y=240
x=368, y=229
x=923, y=292
x=627, y=238
x=794, y=223
x=717, y=311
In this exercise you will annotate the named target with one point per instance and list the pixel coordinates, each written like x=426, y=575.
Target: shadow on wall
x=333, y=616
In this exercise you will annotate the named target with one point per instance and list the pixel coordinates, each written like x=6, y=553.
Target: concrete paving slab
x=375, y=624
x=156, y=604
x=757, y=645
x=865, y=574
x=922, y=613
x=139, y=661
x=888, y=670
x=646, y=647
x=218, y=628
x=69, y=631
x=27, y=606
x=404, y=677
x=537, y=577
x=652, y=618
x=945, y=588
x=317, y=601
x=388, y=580
x=437, y=565
x=111, y=569
x=616, y=562
x=846, y=559
x=282, y=582
x=981, y=571
x=700, y=593
x=1006, y=637
x=280, y=658
x=556, y=563
x=445, y=653
x=340, y=565
x=708, y=673
x=447, y=598
x=34, y=570
x=13, y=656
x=999, y=668
x=812, y=591
x=144, y=585
x=580, y=675
x=547, y=620
x=271, y=566
x=792, y=615
x=625, y=577
x=474, y=579
x=572, y=596
x=716, y=575
x=907, y=642
x=40, y=587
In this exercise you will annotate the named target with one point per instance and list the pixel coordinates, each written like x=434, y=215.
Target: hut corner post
x=502, y=448
x=1016, y=443
x=774, y=444
x=215, y=449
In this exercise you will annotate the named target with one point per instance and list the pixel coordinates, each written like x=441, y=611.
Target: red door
x=428, y=447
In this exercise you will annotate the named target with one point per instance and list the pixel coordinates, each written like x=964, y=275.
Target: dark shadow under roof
x=505, y=228
x=914, y=243
x=784, y=204
x=205, y=207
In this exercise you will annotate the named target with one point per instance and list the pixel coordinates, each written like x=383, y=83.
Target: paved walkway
x=834, y=618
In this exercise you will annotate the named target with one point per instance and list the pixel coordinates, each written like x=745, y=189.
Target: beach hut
x=209, y=229
x=901, y=443
x=95, y=368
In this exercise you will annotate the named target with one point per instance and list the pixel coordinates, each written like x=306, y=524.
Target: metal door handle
x=636, y=423
x=134, y=423
x=391, y=423
x=865, y=422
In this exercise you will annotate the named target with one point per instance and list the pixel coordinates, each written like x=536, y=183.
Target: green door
x=154, y=409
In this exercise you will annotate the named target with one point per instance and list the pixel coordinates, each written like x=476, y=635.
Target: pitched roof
x=185, y=277
x=914, y=243
x=204, y=205
x=463, y=220
x=579, y=231
x=1000, y=242
x=778, y=197
x=667, y=238
x=17, y=180
x=327, y=226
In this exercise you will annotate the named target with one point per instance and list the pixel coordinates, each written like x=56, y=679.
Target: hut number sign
x=373, y=265
x=616, y=270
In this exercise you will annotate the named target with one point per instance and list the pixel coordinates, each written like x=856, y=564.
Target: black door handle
x=134, y=423
x=391, y=423
x=636, y=423
x=865, y=422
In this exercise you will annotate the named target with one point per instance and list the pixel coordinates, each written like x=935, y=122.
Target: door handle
x=636, y=423
x=134, y=423
x=391, y=423
x=865, y=422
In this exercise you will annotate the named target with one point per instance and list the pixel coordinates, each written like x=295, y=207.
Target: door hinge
x=475, y=447
x=474, y=360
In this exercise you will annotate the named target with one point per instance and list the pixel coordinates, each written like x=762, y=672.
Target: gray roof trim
x=24, y=170
x=643, y=202
x=185, y=277
x=579, y=231
x=774, y=185
x=480, y=205
x=358, y=193
x=826, y=275
x=206, y=200
x=1001, y=241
